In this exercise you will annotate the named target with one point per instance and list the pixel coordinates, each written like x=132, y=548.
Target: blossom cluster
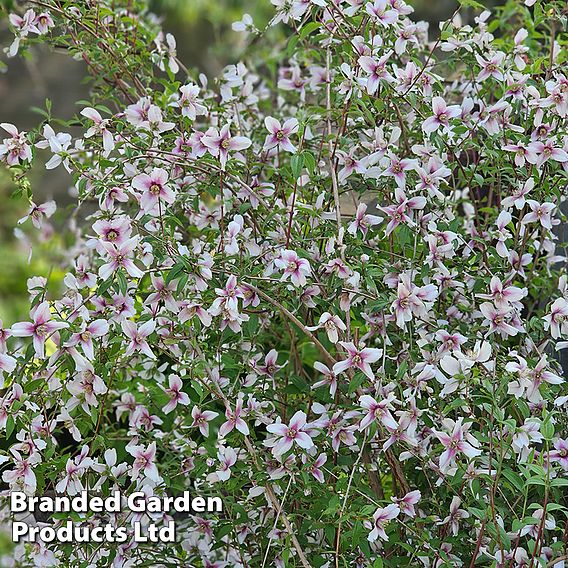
x=334, y=294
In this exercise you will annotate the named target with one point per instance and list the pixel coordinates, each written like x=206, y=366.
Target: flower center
x=41, y=330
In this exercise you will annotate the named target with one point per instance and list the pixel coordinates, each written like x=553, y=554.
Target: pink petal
x=303, y=440
x=272, y=125
x=92, y=114
x=23, y=329
x=298, y=421
x=239, y=143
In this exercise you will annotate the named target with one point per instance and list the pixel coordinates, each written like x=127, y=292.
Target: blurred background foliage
x=205, y=42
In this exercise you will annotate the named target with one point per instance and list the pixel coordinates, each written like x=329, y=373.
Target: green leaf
x=310, y=161
x=471, y=4
x=308, y=29
x=297, y=163
x=104, y=287
x=300, y=384
x=547, y=428
x=356, y=382
x=515, y=479
x=9, y=426
x=224, y=530
x=174, y=272
x=122, y=283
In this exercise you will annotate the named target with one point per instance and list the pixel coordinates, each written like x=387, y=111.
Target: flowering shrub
x=368, y=385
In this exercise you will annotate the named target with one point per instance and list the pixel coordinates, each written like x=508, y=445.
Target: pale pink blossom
x=358, y=358
x=455, y=516
x=540, y=213
x=407, y=502
x=332, y=325
x=362, y=221
x=314, y=467
x=557, y=319
x=201, y=419
x=221, y=143
x=177, y=396
x=521, y=153
x=381, y=518
x=350, y=165
x=491, y=67
x=442, y=115
x=457, y=441
x=84, y=337
x=381, y=12
x=37, y=213
x=517, y=198
x=167, y=51
x=227, y=459
x=497, y=319
x=234, y=420
x=120, y=256
x=155, y=190
x=138, y=337
x=503, y=296
x=541, y=152
x=22, y=476
x=189, y=102
x=15, y=149
x=7, y=364
x=100, y=128
x=397, y=169
x=40, y=328
x=294, y=267
x=279, y=134
x=270, y=366
x=144, y=462
x=329, y=379
x=376, y=70
x=560, y=453
x=190, y=309
x=286, y=435
x=377, y=412
x=116, y=231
